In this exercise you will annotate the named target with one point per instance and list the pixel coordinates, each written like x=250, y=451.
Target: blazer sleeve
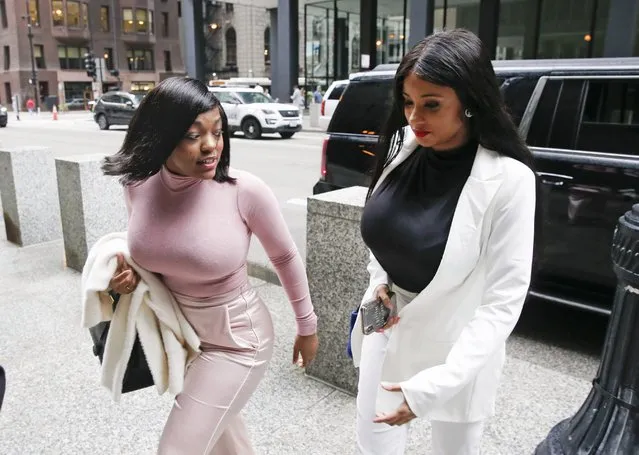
x=509, y=252
x=378, y=276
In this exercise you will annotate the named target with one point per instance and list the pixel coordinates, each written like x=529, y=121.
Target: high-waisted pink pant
x=236, y=334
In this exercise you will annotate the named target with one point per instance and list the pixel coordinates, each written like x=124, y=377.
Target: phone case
x=375, y=314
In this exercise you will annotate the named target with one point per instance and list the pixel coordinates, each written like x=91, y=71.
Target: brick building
x=140, y=38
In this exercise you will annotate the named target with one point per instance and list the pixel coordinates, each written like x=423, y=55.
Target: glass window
x=73, y=14
x=3, y=13
x=267, y=46
x=108, y=58
x=105, y=22
x=74, y=59
x=7, y=57
x=451, y=14
x=371, y=99
x=142, y=25
x=151, y=29
x=127, y=20
x=610, y=121
x=62, y=57
x=231, y=47
x=140, y=60
x=167, y=61
x=253, y=97
x=516, y=29
x=34, y=12
x=337, y=91
x=225, y=97
x=517, y=92
x=165, y=24
x=38, y=55
x=539, y=132
x=85, y=15
x=57, y=11
x=565, y=29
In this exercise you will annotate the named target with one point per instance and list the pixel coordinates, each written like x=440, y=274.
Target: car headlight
x=3, y=109
x=269, y=111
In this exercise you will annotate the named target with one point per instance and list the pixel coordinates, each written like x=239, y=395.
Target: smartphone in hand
x=374, y=314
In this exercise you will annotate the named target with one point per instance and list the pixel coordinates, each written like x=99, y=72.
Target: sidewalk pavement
x=54, y=403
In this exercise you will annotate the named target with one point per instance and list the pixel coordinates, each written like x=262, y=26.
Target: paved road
x=289, y=166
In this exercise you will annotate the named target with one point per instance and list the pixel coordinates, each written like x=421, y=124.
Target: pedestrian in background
x=297, y=98
x=191, y=219
x=450, y=221
x=317, y=95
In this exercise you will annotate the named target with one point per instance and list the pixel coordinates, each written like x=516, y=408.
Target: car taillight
x=323, y=162
x=323, y=106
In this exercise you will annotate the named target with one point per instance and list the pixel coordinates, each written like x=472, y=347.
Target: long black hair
x=459, y=60
x=159, y=124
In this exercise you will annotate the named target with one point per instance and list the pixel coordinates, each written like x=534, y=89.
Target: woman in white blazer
x=449, y=220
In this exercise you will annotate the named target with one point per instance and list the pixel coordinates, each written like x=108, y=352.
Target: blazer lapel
x=463, y=246
x=408, y=147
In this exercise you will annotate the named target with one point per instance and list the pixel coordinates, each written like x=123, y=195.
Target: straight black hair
x=159, y=124
x=457, y=59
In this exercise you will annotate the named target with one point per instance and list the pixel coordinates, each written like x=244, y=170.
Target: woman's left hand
x=401, y=415
x=305, y=349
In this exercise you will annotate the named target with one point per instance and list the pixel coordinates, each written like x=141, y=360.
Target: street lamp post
x=34, y=76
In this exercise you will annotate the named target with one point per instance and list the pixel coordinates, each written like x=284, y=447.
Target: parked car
x=329, y=102
x=76, y=104
x=581, y=120
x=4, y=117
x=115, y=108
x=253, y=113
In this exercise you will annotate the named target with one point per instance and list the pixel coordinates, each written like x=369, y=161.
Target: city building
x=338, y=37
x=139, y=39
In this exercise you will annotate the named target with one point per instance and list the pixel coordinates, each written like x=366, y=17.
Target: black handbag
x=137, y=375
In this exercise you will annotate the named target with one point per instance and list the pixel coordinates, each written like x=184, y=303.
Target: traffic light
x=89, y=65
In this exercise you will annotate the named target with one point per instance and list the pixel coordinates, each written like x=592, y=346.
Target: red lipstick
x=419, y=133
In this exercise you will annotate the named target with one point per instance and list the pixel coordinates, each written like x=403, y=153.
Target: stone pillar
x=336, y=261
x=368, y=34
x=193, y=35
x=91, y=205
x=422, y=20
x=29, y=195
x=285, y=62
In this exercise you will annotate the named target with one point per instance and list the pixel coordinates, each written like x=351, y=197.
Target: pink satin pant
x=236, y=334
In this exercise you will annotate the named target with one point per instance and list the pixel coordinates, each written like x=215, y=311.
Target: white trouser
x=448, y=438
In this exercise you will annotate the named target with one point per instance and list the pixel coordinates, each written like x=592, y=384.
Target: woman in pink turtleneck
x=191, y=219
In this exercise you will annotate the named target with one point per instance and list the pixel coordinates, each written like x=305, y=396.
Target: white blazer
x=168, y=340
x=448, y=349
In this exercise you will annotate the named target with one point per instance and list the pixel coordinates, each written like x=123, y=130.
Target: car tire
x=251, y=128
x=103, y=123
x=287, y=135
x=3, y=125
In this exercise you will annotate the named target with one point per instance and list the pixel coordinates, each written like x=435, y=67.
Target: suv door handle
x=548, y=178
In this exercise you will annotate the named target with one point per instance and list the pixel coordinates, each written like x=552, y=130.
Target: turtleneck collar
x=175, y=182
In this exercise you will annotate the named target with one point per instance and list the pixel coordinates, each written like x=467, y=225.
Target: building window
x=105, y=23
x=229, y=8
x=151, y=29
x=85, y=15
x=57, y=11
x=168, y=67
x=3, y=13
x=7, y=92
x=141, y=25
x=267, y=46
x=34, y=12
x=73, y=14
x=127, y=20
x=565, y=30
x=70, y=57
x=231, y=47
x=7, y=57
x=38, y=55
x=140, y=60
x=108, y=58
x=165, y=24
x=141, y=87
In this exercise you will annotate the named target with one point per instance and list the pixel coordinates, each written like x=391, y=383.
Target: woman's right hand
x=381, y=292
x=125, y=279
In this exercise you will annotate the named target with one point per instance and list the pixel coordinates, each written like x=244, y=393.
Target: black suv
x=581, y=121
x=115, y=108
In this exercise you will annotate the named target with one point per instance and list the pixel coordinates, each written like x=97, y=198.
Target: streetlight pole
x=34, y=76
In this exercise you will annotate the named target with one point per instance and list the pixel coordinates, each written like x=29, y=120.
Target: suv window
x=539, y=132
x=337, y=92
x=225, y=97
x=109, y=99
x=517, y=92
x=364, y=108
x=610, y=121
x=253, y=97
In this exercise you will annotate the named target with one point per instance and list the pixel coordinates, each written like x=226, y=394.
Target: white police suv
x=253, y=113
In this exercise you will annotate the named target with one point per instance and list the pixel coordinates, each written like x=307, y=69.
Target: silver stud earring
x=467, y=113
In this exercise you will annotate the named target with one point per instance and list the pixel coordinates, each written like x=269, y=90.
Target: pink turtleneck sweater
x=196, y=233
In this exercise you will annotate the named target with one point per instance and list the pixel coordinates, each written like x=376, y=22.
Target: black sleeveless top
x=407, y=220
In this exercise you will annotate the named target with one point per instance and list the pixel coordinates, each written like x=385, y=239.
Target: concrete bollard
x=314, y=110
x=336, y=261
x=29, y=195
x=91, y=205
